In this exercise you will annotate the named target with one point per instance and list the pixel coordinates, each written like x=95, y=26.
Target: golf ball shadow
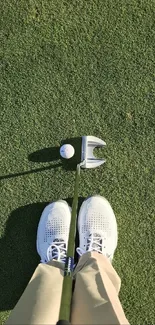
x=45, y=155
x=51, y=154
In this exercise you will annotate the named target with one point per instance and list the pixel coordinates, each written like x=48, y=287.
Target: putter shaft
x=64, y=315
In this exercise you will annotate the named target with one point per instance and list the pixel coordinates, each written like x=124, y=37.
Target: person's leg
x=95, y=299
x=40, y=301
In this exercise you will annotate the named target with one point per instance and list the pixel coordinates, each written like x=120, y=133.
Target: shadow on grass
x=45, y=155
x=18, y=254
x=51, y=154
x=32, y=171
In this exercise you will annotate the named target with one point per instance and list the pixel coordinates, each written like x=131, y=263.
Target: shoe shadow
x=18, y=253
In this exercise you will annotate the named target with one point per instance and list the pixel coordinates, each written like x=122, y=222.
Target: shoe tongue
x=58, y=240
x=96, y=235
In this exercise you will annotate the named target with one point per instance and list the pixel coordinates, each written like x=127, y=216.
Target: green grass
x=70, y=68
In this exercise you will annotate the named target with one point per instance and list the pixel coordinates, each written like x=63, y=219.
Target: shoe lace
x=56, y=251
x=94, y=243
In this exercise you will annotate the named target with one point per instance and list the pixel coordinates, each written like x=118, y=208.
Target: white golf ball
x=67, y=151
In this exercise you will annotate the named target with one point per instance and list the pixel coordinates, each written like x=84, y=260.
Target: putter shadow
x=18, y=253
x=32, y=171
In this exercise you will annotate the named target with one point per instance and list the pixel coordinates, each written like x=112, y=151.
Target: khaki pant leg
x=95, y=298
x=40, y=302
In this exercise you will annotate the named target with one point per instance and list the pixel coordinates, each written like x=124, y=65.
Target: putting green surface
x=73, y=68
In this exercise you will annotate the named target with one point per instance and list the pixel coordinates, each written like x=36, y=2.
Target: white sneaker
x=53, y=232
x=97, y=227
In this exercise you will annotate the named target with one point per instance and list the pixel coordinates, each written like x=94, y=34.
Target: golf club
x=88, y=160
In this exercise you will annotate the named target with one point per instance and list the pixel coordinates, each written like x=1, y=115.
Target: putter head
x=83, y=156
x=88, y=160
